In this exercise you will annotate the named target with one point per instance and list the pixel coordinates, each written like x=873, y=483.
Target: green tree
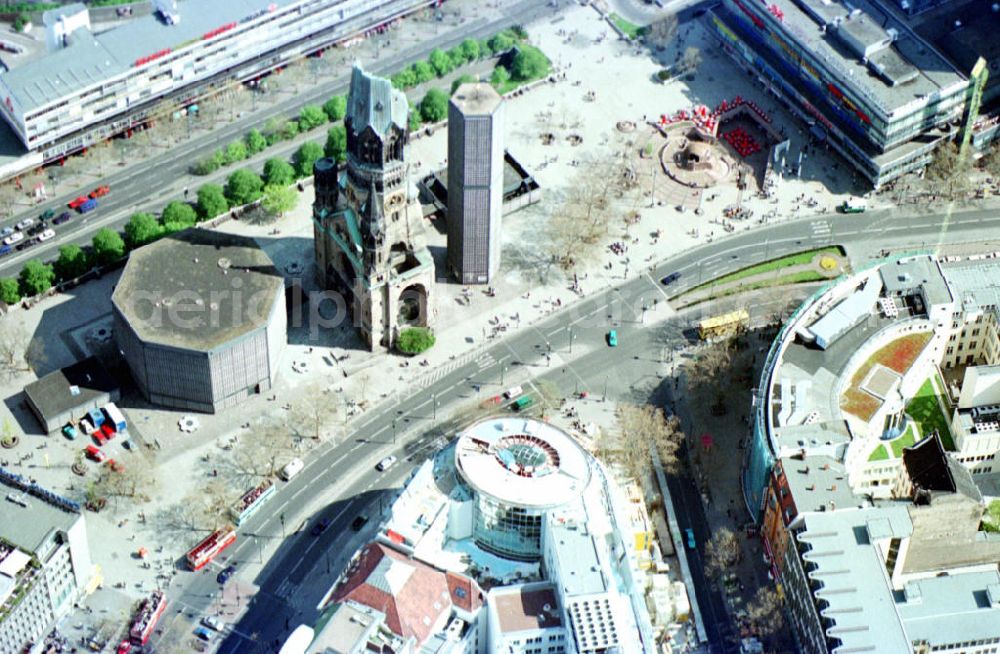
x=278, y=172
x=529, y=63
x=499, y=78
x=290, y=130
x=211, y=201
x=440, y=62
x=335, y=108
x=108, y=246
x=279, y=199
x=460, y=80
x=256, y=142
x=36, y=277
x=204, y=167
x=304, y=158
x=471, y=50
x=500, y=43
x=434, y=106
x=457, y=56
x=422, y=72
x=142, y=228
x=243, y=187
x=414, y=122
x=518, y=32
x=72, y=262
x=20, y=21
x=179, y=214
x=10, y=291
x=414, y=340
x=311, y=116
x=235, y=152
x=404, y=79
x=336, y=143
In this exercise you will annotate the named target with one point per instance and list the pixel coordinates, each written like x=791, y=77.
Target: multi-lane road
x=344, y=478
x=151, y=184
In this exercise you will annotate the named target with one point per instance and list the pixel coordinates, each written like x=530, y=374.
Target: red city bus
x=209, y=548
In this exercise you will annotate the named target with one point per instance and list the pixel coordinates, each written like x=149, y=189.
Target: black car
x=38, y=228
x=64, y=217
x=224, y=576
x=320, y=526
x=359, y=522
x=24, y=245
x=670, y=279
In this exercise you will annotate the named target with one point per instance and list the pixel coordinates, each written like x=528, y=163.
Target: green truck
x=522, y=403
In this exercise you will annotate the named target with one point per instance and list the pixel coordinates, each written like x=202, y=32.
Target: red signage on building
x=156, y=55
x=217, y=31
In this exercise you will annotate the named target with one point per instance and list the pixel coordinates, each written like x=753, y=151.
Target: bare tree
x=315, y=412
x=709, y=371
x=991, y=160
x=661, y=32
x=948, y=171
x=689, y=61
x=8, y=199
x=19, y=352
x=207, y=507
x=764, y=612
x=722, y=552
x=136, y=480
x=257, y=456
x=578, y=223
x=640, y=428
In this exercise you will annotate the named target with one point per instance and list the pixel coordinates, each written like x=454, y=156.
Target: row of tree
x=441, y=62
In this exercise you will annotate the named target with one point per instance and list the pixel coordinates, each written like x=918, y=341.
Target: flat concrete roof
x=579, y=564
x=90, y=59
x=933, y=72
x=53, y=394
x=522, y=462
x=524, y=608
x=904, y=275
x=951, y=609
x=476, y=98
x=29, y=523
x=976, y=284
x=197, y=289
x=816, y=481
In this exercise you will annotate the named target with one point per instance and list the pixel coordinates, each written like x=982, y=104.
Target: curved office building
x=518, y=471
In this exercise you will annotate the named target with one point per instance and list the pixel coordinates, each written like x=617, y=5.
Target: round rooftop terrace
x=522, y=462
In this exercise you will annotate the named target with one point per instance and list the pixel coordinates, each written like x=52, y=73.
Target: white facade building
x=44, y=561
x=100, y=85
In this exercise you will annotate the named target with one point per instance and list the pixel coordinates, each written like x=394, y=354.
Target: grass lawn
x=906, y=440
x=898, y=355
x=796, y=259
x=926, y=410
x=631, y=30
x=880, y=454
x=512, y=84
x=800, y=277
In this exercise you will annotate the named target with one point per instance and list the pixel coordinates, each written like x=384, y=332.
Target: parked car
x=320, y=526
x=670, y=279
x=385, y=463
x=359, y=522
x=69, y=431
x=203, y=633
x=37, y=228
x=94, y=453
x=100, y=191
x=24, y=245
x=16, y=237
x=689, y=534
x=48, y=214
x=613, y=338
x=226, y=573
x=74, y=204
x=7, y=231
x=64, y=217
x=25, y=224
x=46, y=235
x=5, y=249
x=213, y=622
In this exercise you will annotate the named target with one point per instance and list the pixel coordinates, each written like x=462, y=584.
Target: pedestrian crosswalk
x=820, y=227
x=483, y=360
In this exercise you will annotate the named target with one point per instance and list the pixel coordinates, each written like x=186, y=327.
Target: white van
x=291, y=469
x=512, y=392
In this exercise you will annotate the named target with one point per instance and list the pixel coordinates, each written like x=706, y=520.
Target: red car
x=108, y=431
x=100, y=191
x=95, y=454
x=74, y=204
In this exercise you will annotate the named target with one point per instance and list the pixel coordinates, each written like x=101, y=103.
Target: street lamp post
x=503, y=371
x=393, y=431
x=605, y=399
x=434, y=404
x=281, y=517
x=642, y=303
x=571, y=340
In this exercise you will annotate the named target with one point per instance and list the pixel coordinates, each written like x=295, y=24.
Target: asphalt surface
x=149, y=185
x=345, y=477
